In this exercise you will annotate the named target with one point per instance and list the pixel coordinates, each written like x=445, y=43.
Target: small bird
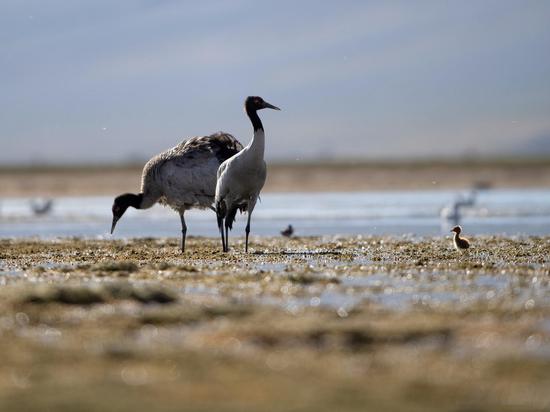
x=288, y=232
x=41, y=207
x=459, y=243
x=183, y=177
x=242, y=177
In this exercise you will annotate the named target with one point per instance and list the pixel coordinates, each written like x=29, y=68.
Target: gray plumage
x=182, y=178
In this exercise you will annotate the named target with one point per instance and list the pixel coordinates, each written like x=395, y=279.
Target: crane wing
x=186, y=174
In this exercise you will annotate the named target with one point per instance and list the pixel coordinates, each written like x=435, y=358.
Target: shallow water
x=495, y=211
x=392, y=291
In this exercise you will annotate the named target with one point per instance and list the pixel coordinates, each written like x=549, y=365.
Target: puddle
x=404, y=292
x=362, y=260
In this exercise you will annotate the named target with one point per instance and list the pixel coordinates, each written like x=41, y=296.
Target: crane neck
x=257, y=144
x=130, y=199
x=254, y=118
x=143, y=200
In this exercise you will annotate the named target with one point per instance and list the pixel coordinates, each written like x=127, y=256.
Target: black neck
x=130, y=199
x=254, y=118
x=136, y=201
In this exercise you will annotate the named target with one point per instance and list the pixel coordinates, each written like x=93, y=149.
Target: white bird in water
x=242, y=177
x=183, y=177
x=452, y=213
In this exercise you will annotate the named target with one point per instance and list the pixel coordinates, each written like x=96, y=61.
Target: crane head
x=257, y=103
x=122, y=203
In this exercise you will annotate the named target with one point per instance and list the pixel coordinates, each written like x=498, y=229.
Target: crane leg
x=226, y=236
x=220, y=227
x=221, y=211
x=183, y=231
x=251, y=205
x=247, y=231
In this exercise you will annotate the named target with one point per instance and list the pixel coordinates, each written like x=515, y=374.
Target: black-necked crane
x=182, y=178
x=242, y=177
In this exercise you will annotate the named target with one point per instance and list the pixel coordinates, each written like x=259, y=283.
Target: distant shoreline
x=95, y=180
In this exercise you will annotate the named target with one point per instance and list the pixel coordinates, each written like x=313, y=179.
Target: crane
x=242, y=177
x=182, y=178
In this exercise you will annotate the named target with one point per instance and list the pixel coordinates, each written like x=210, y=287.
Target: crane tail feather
x=230, y=217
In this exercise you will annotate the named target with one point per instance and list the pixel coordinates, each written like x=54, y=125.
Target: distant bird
x=460, y=243
x=183, y=177
x=452, y=212
x=288, y=232
x=242, y=177
x=41, y=207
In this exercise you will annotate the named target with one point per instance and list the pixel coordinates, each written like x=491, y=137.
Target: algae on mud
x=320, y=324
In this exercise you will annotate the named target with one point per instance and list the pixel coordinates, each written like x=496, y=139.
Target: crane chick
x=460, y=243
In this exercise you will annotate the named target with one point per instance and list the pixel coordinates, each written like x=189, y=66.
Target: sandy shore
x=309, y=324
x=351, y=176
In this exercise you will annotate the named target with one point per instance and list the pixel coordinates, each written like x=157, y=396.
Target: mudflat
x=309, y=324
x=293, y=177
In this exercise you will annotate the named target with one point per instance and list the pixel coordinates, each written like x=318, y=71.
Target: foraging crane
x=242, y=177
x=183, y=177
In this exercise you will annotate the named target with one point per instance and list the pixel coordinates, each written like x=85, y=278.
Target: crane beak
x=270, y=106
x=115, y=220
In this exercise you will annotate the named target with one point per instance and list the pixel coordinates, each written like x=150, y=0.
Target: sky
x=103, y=81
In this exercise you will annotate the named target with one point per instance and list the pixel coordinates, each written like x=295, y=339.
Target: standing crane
x=242, y=177
x=182, y=178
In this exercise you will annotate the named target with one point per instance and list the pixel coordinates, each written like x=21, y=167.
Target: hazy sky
x=103, y=80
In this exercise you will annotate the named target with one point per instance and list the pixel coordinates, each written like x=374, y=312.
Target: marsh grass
x=309, y=324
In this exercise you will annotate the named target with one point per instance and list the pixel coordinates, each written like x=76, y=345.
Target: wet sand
x=309, y=324
x=292, y=177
